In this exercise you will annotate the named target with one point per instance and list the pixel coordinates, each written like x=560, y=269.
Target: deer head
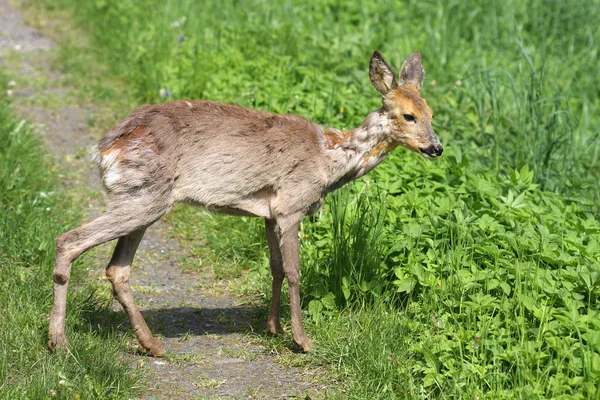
x=404, y=106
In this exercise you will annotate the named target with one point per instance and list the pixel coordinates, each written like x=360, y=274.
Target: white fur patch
x=110, y=168
x=107, y=160
x=111, y=175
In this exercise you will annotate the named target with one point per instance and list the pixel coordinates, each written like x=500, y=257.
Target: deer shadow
x=174, y=322
x=178, y=321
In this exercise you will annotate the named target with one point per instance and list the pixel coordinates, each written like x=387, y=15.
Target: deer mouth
x=432, y=151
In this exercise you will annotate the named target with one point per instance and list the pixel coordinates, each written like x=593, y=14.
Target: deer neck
x=355, y=152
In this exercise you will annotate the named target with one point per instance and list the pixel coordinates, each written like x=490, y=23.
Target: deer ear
x=412, y=72
x=382, y=75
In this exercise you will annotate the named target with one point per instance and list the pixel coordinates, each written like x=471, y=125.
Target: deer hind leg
x=287, y=235
x=274, y=323
x=114, y=224
x=117, y=271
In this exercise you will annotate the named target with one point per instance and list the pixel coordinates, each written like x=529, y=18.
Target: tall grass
x=32, y=212
x=491, y=291
x=345, y=250
x=529, y=73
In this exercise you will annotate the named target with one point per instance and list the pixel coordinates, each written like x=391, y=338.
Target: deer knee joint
x=59, y=278
x=66, y=250
x=117, y=275
x=111, y=273
x=292, y=278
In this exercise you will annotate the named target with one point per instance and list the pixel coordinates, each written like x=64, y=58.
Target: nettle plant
x=507, y=267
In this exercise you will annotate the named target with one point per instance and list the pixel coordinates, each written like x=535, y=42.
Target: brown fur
x=407, y=100
x=333, y=138
x=239, y=161
x=380, y=150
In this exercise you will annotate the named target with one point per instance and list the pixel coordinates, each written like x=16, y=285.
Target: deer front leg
x=274, y=323
x=288, y=244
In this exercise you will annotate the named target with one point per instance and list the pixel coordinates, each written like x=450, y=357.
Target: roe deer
x=239, y=161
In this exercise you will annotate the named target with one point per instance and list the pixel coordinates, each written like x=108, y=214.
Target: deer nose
x=435, y=150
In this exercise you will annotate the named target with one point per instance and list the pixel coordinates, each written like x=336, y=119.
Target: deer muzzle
x=433, y=151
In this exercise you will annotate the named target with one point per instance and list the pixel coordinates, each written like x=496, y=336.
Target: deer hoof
x=306, y=344
x=58, y=343
x=275, y=330
x=154, y=347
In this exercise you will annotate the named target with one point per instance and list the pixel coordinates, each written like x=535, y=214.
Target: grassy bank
x=33, y=211
x=473, y=276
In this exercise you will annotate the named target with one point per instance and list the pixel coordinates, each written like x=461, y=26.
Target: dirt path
x=207, y=353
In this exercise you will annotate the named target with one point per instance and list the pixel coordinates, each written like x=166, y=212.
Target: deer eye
x=409, y=118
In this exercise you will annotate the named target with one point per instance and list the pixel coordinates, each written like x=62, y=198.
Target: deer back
x=220, y=156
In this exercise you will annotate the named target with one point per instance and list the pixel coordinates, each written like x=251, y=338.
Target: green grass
x=33, y=211
x=476, y=275
x=242, y=251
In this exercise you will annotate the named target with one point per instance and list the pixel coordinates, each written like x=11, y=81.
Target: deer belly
x=256, y=204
